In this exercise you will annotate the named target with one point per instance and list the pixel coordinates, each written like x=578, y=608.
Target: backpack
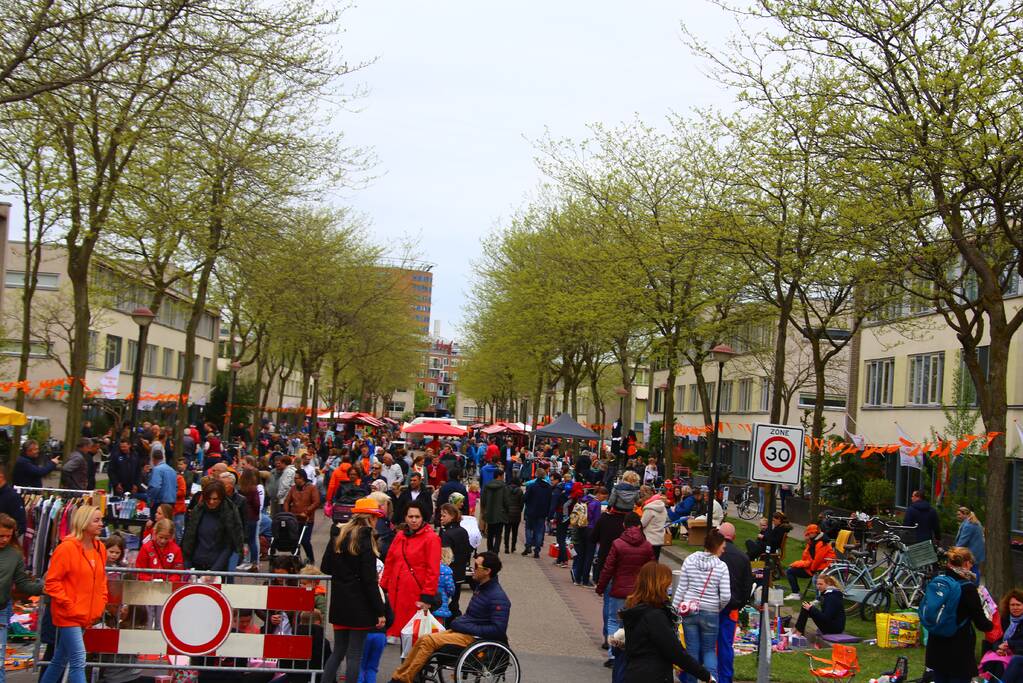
x=939, y=605
x=580, y=515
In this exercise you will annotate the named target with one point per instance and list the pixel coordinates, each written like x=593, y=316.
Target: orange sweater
x=77, y=583
x=337, y=477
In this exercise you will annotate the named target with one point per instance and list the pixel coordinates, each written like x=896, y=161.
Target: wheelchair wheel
x=487, y=662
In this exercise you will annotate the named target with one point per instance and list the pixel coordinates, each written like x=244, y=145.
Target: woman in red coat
x=412, y=568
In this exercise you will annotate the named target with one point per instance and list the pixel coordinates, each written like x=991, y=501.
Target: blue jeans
x=613, y=605
x=535, y=534
x=372, y=651
x=265, y=525
x=618, y=670
x=726, y=646
x=582, y=565
x=5, y=622
x=70, y=651
x=701, y=631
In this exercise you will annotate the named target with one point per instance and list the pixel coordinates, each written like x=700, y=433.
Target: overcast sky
x=460, y=89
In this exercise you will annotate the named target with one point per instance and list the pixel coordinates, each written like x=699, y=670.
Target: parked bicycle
x=747, y=502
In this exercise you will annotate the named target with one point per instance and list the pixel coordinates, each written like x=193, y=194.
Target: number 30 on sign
x=776, y=454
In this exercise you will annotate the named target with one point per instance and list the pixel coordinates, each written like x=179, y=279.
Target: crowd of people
x=411, y=528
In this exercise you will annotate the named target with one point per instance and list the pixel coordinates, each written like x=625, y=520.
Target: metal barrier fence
x=208, y=621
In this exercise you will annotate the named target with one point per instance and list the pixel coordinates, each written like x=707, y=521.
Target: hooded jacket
x=652, y=646
x=77, y=582
x=817, y=555
x=496, y=500
x=928, y=526
x=355, y=601
x=623, y=497
x=655, y=517
x=628, y=555
x=703, y=578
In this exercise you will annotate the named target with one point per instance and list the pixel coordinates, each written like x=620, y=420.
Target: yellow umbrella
x=9, y=416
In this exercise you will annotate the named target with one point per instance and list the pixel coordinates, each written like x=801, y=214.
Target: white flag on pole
x=906, y=459
x=108, y=382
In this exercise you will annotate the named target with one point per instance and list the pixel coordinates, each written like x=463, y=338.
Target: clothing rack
x=73, y=492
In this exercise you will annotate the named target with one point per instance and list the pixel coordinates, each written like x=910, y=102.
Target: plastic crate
x=920, y=555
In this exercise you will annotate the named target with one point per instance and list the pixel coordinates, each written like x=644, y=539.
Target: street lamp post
x=142, y=316
x=314, y=421
x=720, y=354
x=235, y=367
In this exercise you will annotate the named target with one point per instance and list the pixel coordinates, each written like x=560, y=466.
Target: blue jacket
x=11, y=504
x=685, y=506
x=445, y=589
x=487, y=473
x=28, y=473
x=163, y=486
x=971, y=536
x=537, y=501
x=487, y=614
x=926, y=518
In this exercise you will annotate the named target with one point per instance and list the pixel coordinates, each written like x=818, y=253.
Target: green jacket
x=12, y=571
x=496, y=500
x=231, y=532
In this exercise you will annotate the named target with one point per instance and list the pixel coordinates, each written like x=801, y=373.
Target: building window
x=396, y=407
x=431, y=387
x=765, y=395
x=969, y=387
x=195, y=368
x=726, y=396
x=205, y=369
x=16, y=278
x=152, y=353
x=36, y=349
x=711, y=388
x=181, y=365
x=658, y=399
x=133, y=354
x=925, y=377
x=112, y=356
x=680, y=395
x=880, y=381
x=694, y=398
x=168, y=362
x=745, y=395
x=93, y=349
x=472, y=412
x=808, y=401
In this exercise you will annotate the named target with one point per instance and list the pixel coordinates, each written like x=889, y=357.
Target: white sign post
x=776, y=457
x=776, y=454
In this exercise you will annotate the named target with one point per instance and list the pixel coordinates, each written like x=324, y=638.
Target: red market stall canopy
x=359, y=418
x=503, y=427
x=434, y=429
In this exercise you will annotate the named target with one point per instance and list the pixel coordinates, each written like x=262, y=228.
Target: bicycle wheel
x=749, y=508
x=876, y=601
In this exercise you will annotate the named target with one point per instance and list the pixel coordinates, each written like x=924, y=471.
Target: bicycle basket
x=920, y=555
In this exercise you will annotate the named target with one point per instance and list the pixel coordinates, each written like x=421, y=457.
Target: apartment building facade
x=911, y=371
x=113, y=335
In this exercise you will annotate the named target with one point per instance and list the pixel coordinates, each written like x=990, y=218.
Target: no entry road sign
x=776, y=454
x=196, y=619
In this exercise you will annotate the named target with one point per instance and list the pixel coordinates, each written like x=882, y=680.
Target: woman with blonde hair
x=77, y=585
x=651, y=642
x=356, y=606
x=830, y=616
x=971, y=536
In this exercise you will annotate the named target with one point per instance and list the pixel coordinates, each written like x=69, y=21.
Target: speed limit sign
x=776, y=456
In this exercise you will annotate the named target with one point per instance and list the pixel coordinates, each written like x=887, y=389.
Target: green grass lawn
x=793, y=667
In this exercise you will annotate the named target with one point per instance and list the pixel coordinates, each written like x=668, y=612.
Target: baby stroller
x=344, y=501
x=287, y=534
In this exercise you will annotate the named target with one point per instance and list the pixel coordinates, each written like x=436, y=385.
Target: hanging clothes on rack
x=48, y=515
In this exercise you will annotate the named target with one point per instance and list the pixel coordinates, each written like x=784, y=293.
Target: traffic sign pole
x=776, y=458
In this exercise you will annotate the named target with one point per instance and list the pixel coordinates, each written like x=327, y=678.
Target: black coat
x=454, y=536
x=1016, y=643
x=955, y=656
x=405, y=498
x=740, y=575
x=516, y=501
x=928, y=526
x=355, y=599
x=537, y=499
x=606, y=531
x=652, y=646
x=27, y=472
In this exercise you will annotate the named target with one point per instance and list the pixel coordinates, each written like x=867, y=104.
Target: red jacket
x=151, y=557
x=411, y=572
x=629, y=553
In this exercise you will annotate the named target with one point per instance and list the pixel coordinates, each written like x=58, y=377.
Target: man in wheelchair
x=486, y=617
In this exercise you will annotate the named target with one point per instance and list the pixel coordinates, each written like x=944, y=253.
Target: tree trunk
x=538, y=396
x=778, y=381
x=33, y=255
x=78, y=273
x=998, y=565
x=198, y=308
x=817, y=428
x=668, y=424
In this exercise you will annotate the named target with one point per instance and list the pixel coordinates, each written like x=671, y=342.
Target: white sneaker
x=791, y=596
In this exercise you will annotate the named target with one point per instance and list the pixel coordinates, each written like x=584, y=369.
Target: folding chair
x=843, y=665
